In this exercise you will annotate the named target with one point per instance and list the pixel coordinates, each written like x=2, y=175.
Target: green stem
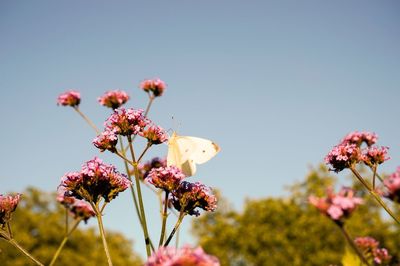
x=353, y=245
x=164, y=219
x=87, y=120
x=102, y=232
x=140, y=197
x=15, y=244
x=178, y=223
x=64, y=241
x=374, y=194
x=66, y=221
x=374, y=176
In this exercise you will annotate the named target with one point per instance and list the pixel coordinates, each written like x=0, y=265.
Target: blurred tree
x=288, y=231
x=38, y=225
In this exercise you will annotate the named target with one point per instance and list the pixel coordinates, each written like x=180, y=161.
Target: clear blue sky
x=275, y=83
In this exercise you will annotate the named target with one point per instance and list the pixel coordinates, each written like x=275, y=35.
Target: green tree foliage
x=38, y=225
x=288, y=231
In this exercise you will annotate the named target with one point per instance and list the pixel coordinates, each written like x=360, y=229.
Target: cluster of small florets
x=155, y=135
x=95, y=180
x=154, y=86
x=107, y=140
x=127, y=122
x=349, y=152
x=80, y=209
x=8, y=204
x=69, y=98
x=166, y=178
x=370, y=248
x=337, y=206
x=145, y=168
x=392, y=184
x=114, y=99
x=187, y=256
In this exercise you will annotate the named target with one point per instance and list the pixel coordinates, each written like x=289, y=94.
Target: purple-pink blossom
x=190, y=196
x=113, y=99
x=80, y=209
x=358, y=138
x=127, y=122
x=167, y=178
x=370, y=248
x=69, y=98
x=8, y=204
x=145, y=168
x=336, y=206
x=155, y=135
x=185, y=256
x=343, y=156
x=392, y=184
x=375, y=155
x=96, y=180
x=107, y=140
x=155, y=86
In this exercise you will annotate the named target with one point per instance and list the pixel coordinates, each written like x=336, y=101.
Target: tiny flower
x=127, y=122
x=155, y=86
x=366, y=244
x=392, y=183
x=358, y=138
x=167, y=178
x=8, y=204
x=382, y=256
x=78, y=208
x=69, y=98
x=113, y=99
x=189, y=196
x=95, y=180
x=369, y=247
x=155, y=135
x=107, y=140
x=144, y=169
x=336, y=206
x=343, y=156
x=186, y=256
x=375, y=155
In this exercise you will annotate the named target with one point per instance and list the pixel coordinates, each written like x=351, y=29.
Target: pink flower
x=126, y=122
x=189, y=196
x=369, y=247
x=392, y=183
x=375, y=155
x=167, y=178
x=155, y=86
x=366, y=244
x=186, y=256
x=343, y=156
x=107, y=140
x=95, y=180
x=358, y=138
x=78, y=208
x=382, y=256
x=155, y=135
x=113, y=99
x=144, y=169
x=336, y=206
x=69, y=98
x=8, y=204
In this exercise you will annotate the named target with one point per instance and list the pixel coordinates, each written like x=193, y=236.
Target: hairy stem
x=178, y=223
x=353, y=245
x=87, y=120
x=26, y=253
x=164, y=219
x=102, y=232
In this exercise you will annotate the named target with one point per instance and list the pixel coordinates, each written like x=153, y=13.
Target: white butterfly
x=185, y=152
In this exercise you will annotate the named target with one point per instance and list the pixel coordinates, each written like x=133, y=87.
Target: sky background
x=275, y=83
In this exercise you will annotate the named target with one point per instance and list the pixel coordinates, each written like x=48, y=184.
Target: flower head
x=113, y=99
x=69, y=98
x=155, y=86
x=392, y=183
x=336, y=206
x=107, y=140
x=375, y=155
x=155, y=135
x=358, y=138
x=189, y=196
x=186, y=256
x=95, y=180
x=78, y=208
x=126, y=122
x=156, y=162
x=343, y=156
x=370, y=248
x=167, y=178
x=8, y=204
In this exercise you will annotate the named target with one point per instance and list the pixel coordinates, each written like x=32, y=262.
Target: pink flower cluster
x=155, y=86
x=336, y=206
x=369, y=247
x=126, y=122
x=80, y=209
x=155, y=135
x=8, y=204
x=349, y=152
x=167, y=178
x=107, y=140
x=114, y=99
x=95, y=180
x=190, y=196
x=69, y=98
x=392, y=183
x=186, y=256
x=144, y=169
